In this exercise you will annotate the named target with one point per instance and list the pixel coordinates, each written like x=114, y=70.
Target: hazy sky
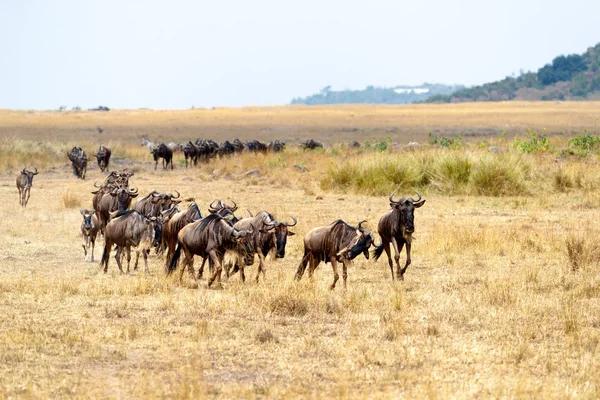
x=175, y=54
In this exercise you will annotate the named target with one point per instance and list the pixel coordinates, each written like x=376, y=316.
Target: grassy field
x=502, y=298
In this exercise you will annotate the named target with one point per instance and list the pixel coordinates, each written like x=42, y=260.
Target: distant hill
x=572, y=77
x=377, y=95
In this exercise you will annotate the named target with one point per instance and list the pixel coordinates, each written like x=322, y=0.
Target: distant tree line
x=568, y=77
x=375, y=95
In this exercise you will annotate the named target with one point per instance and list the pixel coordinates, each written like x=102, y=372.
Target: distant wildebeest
x=209, y=237
x=24, y=183
x=191, y=152
x=128, y=229
x=276, y=146
x=256, y=146
x=155, y=203
x=238, y=146
x=100, y=130
x=354, y=144
x=162, y=151
x=103, y=157
x=268, y=234
x=150, y=145
x=79, y=161
x=312, y=144
x=89, y=231
x=226, y=148
x=337, y=242
x=396, y=227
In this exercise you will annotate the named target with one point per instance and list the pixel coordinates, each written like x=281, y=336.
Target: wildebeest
x=337, y=242
x=155, y=203
x=103, y=157
x=396, y=227
x=256, y=146
x=162, y=151
x=150, y=145
x=174, y=225
x=129, y=229
x=191, y=152
x=226, y=148
x=117, y=199
x=78, y=161
x=268, y=234
x=24, y=183
x=276, y=146
x=311, y=144
x=238, y=146
x=89, y=231
x=209, y=237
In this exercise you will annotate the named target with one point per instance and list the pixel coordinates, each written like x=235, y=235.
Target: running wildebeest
x=268, y=234
x=79, y=161
x=162, y=151
x=209, y=237
x=103, y=157
x=337, y=242
x=89, y=231
x=128, y=229
x=24, y=184
x=396, y=227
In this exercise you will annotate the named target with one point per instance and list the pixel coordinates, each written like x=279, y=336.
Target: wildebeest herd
x=156, y=221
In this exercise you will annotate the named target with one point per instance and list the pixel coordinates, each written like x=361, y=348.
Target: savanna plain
x=502, y=299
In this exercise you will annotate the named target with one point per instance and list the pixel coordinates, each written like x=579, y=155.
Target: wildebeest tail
x=173, y=264
x=377, y=252
x=302, y=265
x=105, y=255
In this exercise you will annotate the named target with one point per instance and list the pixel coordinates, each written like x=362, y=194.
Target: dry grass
x=491, y=306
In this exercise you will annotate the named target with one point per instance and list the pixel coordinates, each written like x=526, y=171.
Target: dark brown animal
x=337, y=242
x=175, y=224
x=24, y=184
x=162, y=151
x=103, y=157
x=155, y=203
x=89, y=231
x=209, y=237
x=79, y=161
x=396, y=227
x=117, y=199
x=129, y=229
x=268, y=234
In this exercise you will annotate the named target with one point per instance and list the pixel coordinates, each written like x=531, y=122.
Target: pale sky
x=175, y=54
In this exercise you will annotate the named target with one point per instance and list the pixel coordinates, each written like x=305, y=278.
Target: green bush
x=533, y=143
x=450, y=172
x=448, y=142
x=584, y=144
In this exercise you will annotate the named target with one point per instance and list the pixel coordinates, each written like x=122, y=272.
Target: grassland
x=502, y=298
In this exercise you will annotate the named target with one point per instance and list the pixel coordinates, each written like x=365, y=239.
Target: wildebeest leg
x=28, y=192
x=137, y=258
x=386, y=247
x=201, y=270
x=217, y=274
x=336, y=276
x=408, y=245
x=397, y=256
x=118, y=258
x=344, y=272
x=261, y=267
x=314, y=263
x=20, y=196
x=242, y=273
x=145, y=253
x=93, y=242
x=85, y=245
x=128, y=255
x=155, y=164
x=302, y=266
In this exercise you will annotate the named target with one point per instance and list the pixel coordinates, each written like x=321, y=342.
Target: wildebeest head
x=29, y=175
x=124, y=196
x=280, y=229
x=359, y=244
x=407, y=208
x=87, y=218
x=156, y=224
x=244, y=246
x=165, y=200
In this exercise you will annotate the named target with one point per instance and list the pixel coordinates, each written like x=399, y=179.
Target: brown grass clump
x=582, y=250
x=70, y=199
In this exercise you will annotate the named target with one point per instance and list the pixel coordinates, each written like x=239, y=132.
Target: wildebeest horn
x=132, y=190
x=417, y=200
x=212, y=208
x=360, y=223
x=395, y=201
x=100, y=187
x=36, y=171
x=173, y=197
x=250, y=213
x=23, y=172
x=288, y=224
x=235, y=207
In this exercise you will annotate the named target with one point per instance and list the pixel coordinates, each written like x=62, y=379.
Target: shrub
x=584, y=144
x=70, y=199
x=501, y=175
x=450, y=172
x=533, y=143
x=448, y=142
x=582, y=250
